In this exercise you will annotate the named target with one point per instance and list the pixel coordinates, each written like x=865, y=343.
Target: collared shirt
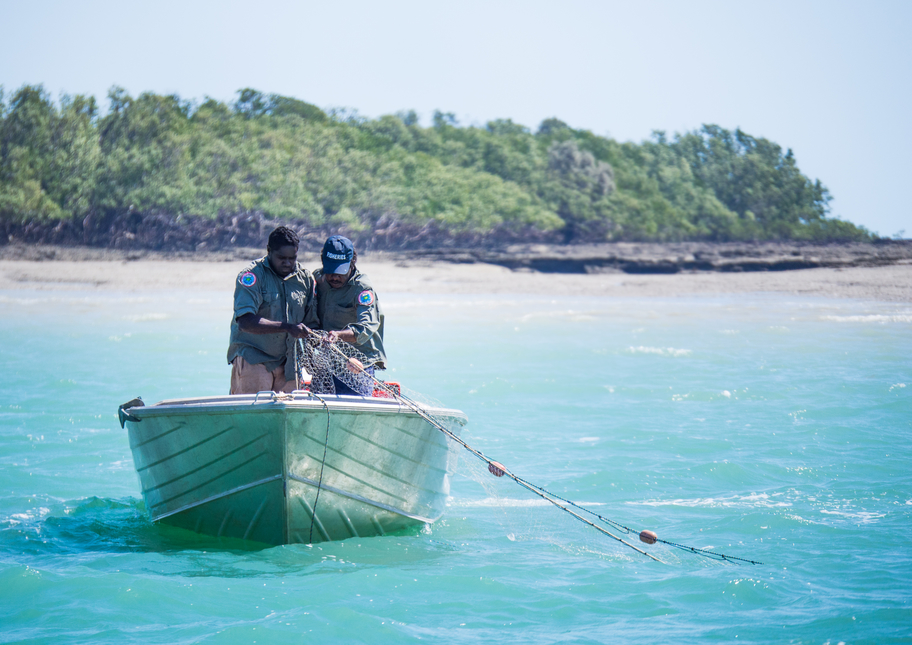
x=353, y=306
x=259, y=290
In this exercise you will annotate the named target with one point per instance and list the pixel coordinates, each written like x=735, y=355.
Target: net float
x=648, y=537
x=496, y=468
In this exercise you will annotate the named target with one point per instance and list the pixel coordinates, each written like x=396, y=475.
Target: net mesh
x=525, y=513
x=320, y=364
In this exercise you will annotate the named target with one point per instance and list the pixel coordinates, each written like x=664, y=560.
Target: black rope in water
x=554, y=499
x=491, y=464
x=709, y=554
x=313, y=518
x=651, y=537
x=647, y=537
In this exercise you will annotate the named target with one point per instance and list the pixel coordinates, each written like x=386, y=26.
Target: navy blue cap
x=337, y=255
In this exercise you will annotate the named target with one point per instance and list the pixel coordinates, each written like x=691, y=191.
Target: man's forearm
x=346, y=335
x=253, y=324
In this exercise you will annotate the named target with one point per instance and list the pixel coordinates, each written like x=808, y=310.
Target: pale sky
x=831, y=80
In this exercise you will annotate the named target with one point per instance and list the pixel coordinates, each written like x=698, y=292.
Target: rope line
x=545, y=494
x=690, y=549
x=313, y=519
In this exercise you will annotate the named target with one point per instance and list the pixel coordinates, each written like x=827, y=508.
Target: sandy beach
x=892, y=283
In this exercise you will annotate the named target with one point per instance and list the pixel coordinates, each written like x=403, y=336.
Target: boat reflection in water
x=284, y=468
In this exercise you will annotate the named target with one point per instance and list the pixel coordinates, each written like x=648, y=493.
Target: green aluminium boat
x=286, y=468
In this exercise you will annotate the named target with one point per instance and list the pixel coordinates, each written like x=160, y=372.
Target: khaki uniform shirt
x=259, y=290
x=353, y=306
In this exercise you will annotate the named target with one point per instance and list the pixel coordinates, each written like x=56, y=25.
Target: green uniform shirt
x=259, y=290
x=353, y=306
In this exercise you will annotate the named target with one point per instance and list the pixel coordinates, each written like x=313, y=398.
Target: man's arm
x=346, y=335
x=366, y=325
x=254, y=324
x=367, y=322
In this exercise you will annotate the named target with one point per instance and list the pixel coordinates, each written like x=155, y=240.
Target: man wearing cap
x=274, y=303
x=347, y=306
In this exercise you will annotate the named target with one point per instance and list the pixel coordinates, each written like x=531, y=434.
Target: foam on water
x=872, y=318
x=666, y=351
x=773, y=428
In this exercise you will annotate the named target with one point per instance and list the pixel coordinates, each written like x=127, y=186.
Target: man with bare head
x=274, y=303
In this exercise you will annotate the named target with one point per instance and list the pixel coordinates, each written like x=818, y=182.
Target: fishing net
x=322, y=364
x=519, y=514
x=523, y=510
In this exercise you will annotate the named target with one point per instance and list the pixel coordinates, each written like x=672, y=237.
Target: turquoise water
x=766, y=427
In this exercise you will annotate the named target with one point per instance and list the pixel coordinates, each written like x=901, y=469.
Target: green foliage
x=49, y=156
x=755, y=180
x=252, y=103
x=285, y=159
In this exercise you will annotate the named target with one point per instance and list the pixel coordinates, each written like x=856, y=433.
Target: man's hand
x=299, y=331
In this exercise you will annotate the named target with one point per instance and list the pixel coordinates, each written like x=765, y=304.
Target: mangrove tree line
x=161, y=172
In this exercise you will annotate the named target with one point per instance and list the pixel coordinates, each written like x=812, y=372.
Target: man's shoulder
x=252, y=273
x=361, y=281
x=256, y=266
x=303, y=273
x=363, y=290
x=305, y=279
x=320, y=283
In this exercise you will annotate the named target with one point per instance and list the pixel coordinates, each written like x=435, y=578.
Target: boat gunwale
x=234, y=403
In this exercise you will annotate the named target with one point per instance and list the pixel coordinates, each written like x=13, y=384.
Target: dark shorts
x=366, y=390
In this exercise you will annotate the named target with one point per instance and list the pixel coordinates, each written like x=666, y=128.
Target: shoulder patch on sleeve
x=366, y=298
x=247, y=279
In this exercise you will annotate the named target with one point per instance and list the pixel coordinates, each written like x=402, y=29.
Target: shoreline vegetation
x=177, y=194
x=160, y=173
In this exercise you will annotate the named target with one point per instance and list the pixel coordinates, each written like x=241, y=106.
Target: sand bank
x=892, y=283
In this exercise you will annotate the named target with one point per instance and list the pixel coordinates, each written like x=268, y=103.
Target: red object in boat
x=381, y=393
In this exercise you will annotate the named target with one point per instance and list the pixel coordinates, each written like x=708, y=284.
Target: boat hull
x=280, y=469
